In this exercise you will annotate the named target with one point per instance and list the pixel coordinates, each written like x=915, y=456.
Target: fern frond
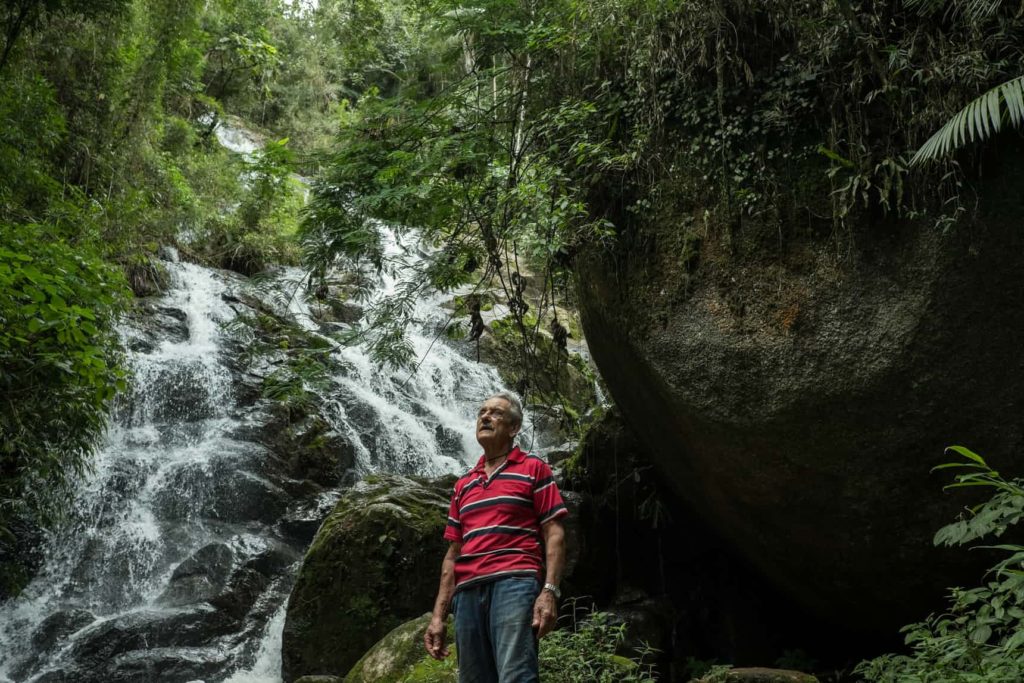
x=979, y=120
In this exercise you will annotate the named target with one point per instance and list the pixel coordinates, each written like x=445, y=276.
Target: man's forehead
x=495, y=402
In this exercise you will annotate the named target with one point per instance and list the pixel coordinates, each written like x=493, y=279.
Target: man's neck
x=493, y=457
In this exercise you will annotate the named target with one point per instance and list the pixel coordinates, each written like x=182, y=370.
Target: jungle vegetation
x=513, y=135
x=516, y=134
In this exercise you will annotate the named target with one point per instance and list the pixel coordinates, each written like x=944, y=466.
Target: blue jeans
x=494, y=635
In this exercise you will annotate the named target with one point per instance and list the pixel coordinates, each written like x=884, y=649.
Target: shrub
x=586, y=653
x=58, y=369
x=980, y=636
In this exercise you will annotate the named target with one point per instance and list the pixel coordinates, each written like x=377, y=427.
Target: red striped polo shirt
x=498, y=519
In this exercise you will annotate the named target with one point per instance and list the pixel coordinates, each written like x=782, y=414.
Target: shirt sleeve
x=453, y=530
x=547, y=500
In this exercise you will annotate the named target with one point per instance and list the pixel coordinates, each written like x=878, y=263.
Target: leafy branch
x=980, y=636
x=979, y=120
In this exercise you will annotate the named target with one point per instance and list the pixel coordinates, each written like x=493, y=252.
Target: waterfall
x=184, y=541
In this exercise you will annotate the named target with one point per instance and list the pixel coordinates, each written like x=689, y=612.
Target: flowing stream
x=184, y=542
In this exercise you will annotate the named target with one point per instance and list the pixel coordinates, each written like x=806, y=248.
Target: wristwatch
x=554, y=589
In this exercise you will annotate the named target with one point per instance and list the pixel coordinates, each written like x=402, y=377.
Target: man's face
x=494, y=423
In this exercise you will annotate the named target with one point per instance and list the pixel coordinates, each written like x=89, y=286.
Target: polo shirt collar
x=516, y=455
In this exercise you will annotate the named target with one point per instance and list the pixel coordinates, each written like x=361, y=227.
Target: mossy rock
x=147, y=276
x=399, y=657
x=549, y=372
x=373, y=564
x=309, y=446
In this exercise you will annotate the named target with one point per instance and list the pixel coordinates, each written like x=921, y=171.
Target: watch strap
x=554, y=589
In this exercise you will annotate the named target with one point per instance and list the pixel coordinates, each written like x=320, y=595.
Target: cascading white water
x=175, y=564
x=141, y=512
x=234, y=138
x=413, y=406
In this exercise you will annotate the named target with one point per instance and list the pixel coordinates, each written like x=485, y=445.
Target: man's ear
x=515, y=430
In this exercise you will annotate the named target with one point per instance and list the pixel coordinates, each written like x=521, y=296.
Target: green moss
x=399, y=657
x=146, y=275
x=689, y=255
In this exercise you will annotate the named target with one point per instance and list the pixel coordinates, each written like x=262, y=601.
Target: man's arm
x=545, y=609
x=434, y=637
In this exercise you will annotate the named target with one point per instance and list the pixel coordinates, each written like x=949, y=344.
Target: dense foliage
x=980, y=636
x=587, y=650
x=540, y=129
x=58, y=370
x=81, y=87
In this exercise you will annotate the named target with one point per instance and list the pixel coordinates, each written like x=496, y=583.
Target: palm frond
x=925, y=7
x=979, y=120
x=969, y=9
x=978, y=9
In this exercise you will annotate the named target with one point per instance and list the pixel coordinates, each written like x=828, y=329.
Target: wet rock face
x=374, y=563
x=763, y=675
x=309, y=447
x=200, y=577
x=799, y=403
x=59, y=625
x=145, y=646
x=157, y=324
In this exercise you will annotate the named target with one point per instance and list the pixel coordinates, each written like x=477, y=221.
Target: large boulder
x=374, y=564
x=655, y=566
x=798, y=400
x=200, y=577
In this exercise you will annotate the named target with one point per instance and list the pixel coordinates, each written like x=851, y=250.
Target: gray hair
x=515, y=407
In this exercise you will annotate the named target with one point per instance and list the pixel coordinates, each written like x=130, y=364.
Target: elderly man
x=501, y=572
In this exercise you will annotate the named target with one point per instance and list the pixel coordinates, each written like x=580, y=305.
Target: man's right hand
x=434, y=638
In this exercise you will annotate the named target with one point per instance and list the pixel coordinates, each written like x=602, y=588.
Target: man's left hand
x=545, y=613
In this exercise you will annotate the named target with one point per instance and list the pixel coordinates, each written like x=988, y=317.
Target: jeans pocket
x=527, y=584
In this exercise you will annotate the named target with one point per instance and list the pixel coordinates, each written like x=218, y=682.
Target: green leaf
x=1014, y=641
x=952, y=465
x=981, y=634
x=977, y=121
x=968, y=453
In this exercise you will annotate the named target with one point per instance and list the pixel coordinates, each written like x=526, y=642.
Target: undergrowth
x=979, y=637
x=585, y=651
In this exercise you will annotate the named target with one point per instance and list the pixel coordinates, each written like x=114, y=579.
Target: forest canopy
x=517, y=133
